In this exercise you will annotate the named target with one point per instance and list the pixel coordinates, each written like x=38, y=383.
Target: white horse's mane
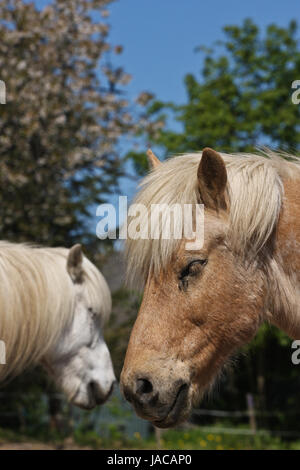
x=255, y=192
x=37, y=300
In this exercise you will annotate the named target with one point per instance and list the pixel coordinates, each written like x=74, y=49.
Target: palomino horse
x=199, y=306
x=53, y=304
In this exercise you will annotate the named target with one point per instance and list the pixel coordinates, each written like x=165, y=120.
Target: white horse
x=53, y=304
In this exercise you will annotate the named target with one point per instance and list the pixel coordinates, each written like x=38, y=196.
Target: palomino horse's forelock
x=254, y=192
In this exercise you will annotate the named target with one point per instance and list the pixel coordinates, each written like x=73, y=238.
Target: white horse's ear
x=212, y=179
x=152, y=159
x=74, y=264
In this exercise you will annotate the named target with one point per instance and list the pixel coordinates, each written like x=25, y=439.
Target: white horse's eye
x=91, y=312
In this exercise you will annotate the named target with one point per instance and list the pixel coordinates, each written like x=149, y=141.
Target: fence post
x=158, y=436
x=251, y=412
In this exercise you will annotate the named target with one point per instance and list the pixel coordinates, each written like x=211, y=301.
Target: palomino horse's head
x=80, y=362
x=197, y=308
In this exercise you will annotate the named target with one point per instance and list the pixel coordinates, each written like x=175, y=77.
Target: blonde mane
x=255, y=192
x=37, y=301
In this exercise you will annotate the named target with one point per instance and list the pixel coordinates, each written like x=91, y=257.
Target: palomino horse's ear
x=212, y=179
x=153, y=160
x=74, y=263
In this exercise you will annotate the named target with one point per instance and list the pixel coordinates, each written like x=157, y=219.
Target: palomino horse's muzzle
x=163, y=404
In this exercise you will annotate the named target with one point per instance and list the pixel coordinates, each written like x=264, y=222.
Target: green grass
x=171, y=439
x=198, y=439
x=6, y=435
x=195, y=438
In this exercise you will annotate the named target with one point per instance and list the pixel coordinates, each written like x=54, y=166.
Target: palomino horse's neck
x=284, y=275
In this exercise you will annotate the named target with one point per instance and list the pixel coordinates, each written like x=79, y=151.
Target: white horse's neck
x=30, y=324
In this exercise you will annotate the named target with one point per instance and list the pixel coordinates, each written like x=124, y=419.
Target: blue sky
x=159, y=36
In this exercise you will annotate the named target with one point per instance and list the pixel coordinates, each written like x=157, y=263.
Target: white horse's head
x=80, y=362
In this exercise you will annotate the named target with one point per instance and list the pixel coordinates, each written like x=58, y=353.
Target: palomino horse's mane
x=255, y=192
x=37, y=300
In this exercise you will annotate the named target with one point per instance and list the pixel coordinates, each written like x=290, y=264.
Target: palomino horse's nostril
x=143, y=386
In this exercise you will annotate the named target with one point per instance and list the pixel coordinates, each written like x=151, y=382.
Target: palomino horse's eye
x=192, y=269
